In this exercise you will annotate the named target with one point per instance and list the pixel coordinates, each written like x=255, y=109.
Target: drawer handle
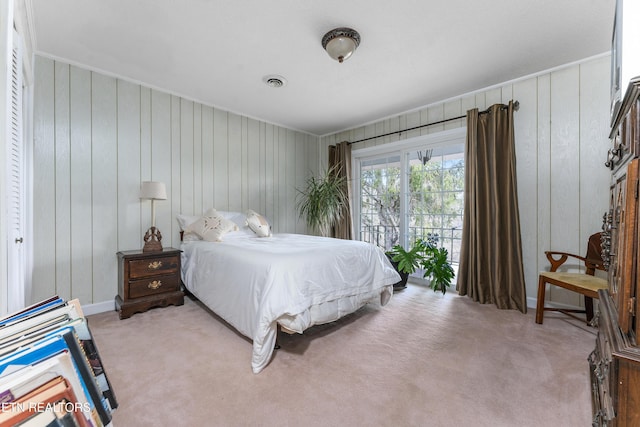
x=155, y=265
x=155, y=284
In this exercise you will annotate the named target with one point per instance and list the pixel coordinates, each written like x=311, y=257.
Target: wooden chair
x=583, y=283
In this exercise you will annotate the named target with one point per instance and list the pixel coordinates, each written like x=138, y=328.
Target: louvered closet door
x=15, y=186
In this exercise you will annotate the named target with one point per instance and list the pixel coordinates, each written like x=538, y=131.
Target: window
x=411, y=190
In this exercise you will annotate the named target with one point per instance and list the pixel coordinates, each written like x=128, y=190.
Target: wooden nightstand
x=148, y=279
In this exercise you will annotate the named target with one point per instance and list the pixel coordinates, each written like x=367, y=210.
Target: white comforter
x=295, y=280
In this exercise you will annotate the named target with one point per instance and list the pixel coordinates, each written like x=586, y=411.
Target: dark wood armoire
x=615, y=361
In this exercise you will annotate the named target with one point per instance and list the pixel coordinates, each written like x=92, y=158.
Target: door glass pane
x=435, y=197
x=380, y=201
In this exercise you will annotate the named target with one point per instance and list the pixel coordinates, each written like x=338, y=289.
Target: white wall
x=97, y=137
x=561, y=133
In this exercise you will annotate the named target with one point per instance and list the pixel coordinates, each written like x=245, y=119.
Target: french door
x=412, y=190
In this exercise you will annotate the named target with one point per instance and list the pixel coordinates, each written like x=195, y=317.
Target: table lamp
x=152, y=190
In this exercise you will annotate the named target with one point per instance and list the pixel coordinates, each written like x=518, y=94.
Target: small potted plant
x=406, y=262
x=437, y=269
x=425, y=255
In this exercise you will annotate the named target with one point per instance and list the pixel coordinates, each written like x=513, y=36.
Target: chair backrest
x=594, y=254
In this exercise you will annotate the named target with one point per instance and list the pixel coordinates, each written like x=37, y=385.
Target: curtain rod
x=516, y=106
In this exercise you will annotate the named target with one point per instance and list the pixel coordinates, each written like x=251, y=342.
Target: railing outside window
x=386, y=237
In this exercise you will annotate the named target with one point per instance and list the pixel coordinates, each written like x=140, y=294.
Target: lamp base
x=152, y=240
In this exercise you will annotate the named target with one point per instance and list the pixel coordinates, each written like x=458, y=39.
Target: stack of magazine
x=50, y=369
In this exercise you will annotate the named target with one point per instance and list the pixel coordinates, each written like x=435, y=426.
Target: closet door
x=15, y=185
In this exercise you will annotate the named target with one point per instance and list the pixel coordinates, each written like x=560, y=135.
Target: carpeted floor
x=422, y=360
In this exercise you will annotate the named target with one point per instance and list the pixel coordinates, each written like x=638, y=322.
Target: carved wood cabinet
x=615, y=362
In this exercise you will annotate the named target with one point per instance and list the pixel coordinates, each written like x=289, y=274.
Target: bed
x=260, y=283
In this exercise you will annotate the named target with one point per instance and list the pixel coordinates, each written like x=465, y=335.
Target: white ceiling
x=412, y=53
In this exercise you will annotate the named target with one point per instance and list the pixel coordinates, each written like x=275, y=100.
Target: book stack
x=50, y=369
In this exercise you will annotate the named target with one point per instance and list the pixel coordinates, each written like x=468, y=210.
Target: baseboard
x=99, y=307
x=532, y=303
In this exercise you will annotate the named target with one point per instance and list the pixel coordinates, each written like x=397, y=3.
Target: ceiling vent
x=274, y=81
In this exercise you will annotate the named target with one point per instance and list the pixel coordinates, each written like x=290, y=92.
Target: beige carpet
x=422, y=360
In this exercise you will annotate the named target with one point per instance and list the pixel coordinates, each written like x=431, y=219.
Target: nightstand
x=148, y=279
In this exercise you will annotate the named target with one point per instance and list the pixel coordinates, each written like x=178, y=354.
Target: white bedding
x=294, y=280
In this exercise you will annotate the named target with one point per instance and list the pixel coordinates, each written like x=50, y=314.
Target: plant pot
x=404, y=277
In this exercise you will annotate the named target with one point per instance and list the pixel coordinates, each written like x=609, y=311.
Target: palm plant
x=323, y=200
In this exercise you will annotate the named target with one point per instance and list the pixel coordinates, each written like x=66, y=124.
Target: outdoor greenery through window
x=380, y=201
x=435, y=199
x=416, y=194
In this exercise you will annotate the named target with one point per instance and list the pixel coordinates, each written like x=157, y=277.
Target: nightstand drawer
x=153, y=266
x=153, y=285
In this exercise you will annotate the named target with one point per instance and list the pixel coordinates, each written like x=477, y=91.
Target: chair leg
x=588, y=308
x=540, y=304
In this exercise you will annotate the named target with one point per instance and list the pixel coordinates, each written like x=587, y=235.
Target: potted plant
x=323, y=200
x=406, y=262
x=437, y=269
x=425, y=255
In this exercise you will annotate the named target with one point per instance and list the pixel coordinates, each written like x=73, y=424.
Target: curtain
x=490, y=268
x=340, y=156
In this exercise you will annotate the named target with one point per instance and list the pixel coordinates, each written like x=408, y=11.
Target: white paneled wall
x=97, y=137
x=561, y=133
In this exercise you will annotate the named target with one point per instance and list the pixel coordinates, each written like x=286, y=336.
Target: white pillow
x=238, y=217
x=190, y=237
x=258, y=224
x=185, y=221
x=212, y=226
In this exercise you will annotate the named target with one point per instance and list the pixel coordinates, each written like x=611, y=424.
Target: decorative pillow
x=212, y=226
x=258, y=224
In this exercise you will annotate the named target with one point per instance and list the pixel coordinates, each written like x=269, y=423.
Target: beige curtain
x=491, y=255
x=340, y=155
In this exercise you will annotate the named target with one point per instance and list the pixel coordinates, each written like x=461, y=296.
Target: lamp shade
x=153, y=190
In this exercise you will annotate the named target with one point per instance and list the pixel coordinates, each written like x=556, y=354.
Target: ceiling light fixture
x=340, y=43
